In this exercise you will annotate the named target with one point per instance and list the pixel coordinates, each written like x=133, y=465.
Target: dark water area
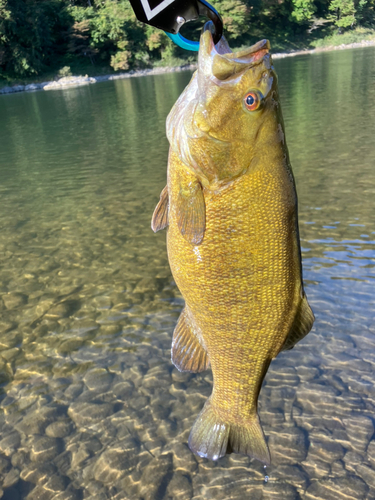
x=90, y=405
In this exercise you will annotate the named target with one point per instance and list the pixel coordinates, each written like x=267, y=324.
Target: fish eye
x=253, y=100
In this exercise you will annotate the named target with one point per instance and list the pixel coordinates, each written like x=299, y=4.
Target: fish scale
x=232, y=241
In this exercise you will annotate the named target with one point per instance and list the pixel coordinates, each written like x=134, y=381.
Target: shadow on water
x=91, y=406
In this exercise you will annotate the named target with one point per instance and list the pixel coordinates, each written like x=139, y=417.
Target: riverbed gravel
x=93, y=407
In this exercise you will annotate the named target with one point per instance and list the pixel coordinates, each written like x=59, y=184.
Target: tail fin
x=211, y=437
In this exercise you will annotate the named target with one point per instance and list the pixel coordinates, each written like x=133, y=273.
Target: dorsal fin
x=160, y=216
x=302, y=324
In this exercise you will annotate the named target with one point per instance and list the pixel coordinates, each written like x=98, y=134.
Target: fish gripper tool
x=170, y=15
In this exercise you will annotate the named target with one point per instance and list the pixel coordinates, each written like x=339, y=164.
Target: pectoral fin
x=301, y=326
x=160, y=216
x=191, y=213
x=188, y=354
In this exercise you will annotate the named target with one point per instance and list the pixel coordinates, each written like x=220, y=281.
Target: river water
x=91, y=406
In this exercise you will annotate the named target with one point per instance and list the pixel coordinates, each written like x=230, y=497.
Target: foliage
x=303, y=10
x=40, y=36
x=32, y=34
x=351, y=36
x=234, y=15
x=80, y=39
x=120, y=60
x=348, y=13
x=65, y=71
x=344, y=13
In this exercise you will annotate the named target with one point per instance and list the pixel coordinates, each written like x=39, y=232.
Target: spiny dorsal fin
x=160, y=216
x=301, y=326
x=191, y=213
x=188, y=354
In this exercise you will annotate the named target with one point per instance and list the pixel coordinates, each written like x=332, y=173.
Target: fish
x=230, y=206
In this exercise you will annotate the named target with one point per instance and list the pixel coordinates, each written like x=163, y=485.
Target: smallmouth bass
x=230, y=205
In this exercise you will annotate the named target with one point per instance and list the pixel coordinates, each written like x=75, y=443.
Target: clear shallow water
x=91, y=407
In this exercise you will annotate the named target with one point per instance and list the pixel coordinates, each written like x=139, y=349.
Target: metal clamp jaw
x=170, y=15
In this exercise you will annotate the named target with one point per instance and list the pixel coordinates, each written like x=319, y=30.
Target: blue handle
x=183, y=42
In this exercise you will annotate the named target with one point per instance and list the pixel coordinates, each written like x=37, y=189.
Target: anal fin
x=188, y=354
x=301, y=326
x=160, y=216
x=191, y=213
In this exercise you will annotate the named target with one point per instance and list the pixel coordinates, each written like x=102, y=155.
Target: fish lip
x=254, y=53
x=222, y=46
x=249, y=56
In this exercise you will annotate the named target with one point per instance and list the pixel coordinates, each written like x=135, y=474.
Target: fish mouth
x=226, y=63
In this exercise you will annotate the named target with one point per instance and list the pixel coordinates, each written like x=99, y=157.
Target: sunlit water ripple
x=91, y=406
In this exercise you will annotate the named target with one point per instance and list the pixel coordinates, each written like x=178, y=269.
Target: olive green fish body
x=233, y=243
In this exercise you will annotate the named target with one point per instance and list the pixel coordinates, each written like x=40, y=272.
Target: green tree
x=303, y=10
x=40, y=35
x=348, y=13
x=365, y=12
x=32, y=34
x=4, y=19
x=344, y=13
x=233, y=13
x=115, y=30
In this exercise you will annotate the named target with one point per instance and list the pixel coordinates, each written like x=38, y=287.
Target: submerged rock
x=180, y=486
x=14, y=300
x=10, y=443
x=44, y=448
x=11, y=478
x=98, y=379
x=324, y=447
x=38, y=473
x=287, y=445
x=367, y=474
x=114, y=464
x=360, y=430
x=347, y=488
x=275, y=490
x=156, y=477
x=85, y=414
x=60, y=429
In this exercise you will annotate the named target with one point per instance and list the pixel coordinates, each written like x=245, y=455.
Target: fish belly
x=242, y=283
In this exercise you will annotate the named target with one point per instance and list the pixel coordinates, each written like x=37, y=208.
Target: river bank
x=77, y=81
